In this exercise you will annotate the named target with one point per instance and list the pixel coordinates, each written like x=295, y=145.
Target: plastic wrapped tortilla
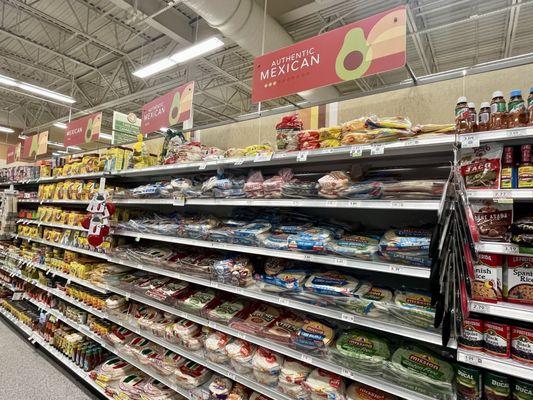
x=413, y=307
x=361, y=351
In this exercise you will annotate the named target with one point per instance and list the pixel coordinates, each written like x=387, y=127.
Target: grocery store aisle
x=28, y=374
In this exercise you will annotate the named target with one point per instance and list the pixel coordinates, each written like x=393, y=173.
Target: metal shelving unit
x=36, y=338
x=501, y=194
x=25, y=221
x=498, y=248
x=498, y=364
x=420, y=272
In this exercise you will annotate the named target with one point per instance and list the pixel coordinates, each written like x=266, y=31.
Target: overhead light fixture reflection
x=164, y=130
x=73, y=148
x=62, y=152
x=105, y=136
x=181, y=56
x=6, y=80
x=6, y=130
x=60, y=125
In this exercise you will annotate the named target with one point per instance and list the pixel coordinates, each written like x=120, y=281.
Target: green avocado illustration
x=175, y=109
x=34, y=145
x=89, y=131
x=354, y=57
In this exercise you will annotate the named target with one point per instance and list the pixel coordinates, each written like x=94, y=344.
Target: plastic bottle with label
x=484, y=117
x=517, y=114
x=509, y=175
x=473, y=115
x=525, y=169
x=498, y=111
x=530, y=107
x=463, y=122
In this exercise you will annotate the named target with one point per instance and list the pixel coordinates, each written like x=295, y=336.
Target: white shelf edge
x=25, y=221
x=255, y=293
x=64, y=246
x=398, y=269
x=500, y=194
x=500, y=248
x=520, y=312
x=498, y=364
x=66, y=201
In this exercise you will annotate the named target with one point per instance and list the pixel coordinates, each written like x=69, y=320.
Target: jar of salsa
x=463, y=122
x=498, y=111
x=517, y=115
x=484, y=117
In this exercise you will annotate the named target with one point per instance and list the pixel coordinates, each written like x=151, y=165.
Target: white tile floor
x=28, y=374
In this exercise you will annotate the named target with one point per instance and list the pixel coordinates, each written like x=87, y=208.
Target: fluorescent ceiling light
x=181, y=56
x=6, y=80
x=55, y=153
x=62, y=152
x=60, y=125
x=56, y=144
x=23, y=136
x=6, y=130
x=105, y=136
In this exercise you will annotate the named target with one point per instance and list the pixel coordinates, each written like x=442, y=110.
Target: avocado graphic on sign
x=355, y=56
x=34, y=148
x=175, y=109
x=89, y=131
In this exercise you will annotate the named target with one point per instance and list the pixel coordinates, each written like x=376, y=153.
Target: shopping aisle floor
x=28, y=374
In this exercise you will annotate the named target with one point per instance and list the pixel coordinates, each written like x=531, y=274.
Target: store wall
x=432, y=103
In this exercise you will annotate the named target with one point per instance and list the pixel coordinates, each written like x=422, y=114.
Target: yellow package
x=333, y=132
x=75, y=190
x=57, y=215
x=89, y=189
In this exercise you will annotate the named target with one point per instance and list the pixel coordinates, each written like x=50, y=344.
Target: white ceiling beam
x=512, y=25
x=306, y=10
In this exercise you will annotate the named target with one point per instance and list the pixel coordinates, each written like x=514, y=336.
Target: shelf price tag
x=515, y=132
x=283, y=301
x=356, y=151
x=202, y=166
x=302, y=156
x=212, y=325
x=331, y=203
x=471, y=359
x=411, y=142
x=340, y=261
x=241, y=335
x=347, y=373
x=395, y=269
x=263, y=157
x=376, y=149
x=479, y=307
x=306, y=359
x=239, y=161
x=179, y=202
x=469, y=141
x=348, y=317
x=510, y=248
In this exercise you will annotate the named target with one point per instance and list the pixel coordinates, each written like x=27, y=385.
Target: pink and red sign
x=373, y=45
x=83, y=130
x=169, y=109
x=35, y=145
x=11, y=153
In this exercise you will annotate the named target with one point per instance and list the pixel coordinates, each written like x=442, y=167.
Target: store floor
x=28, y=374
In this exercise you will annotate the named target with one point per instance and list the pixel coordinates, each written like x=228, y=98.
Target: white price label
x=347, y=373
x=239, y=161
x=263, y=157
x=356, y=151
x=296, y=203
x=340, y=261
x=240, y=290
x=348, y=317
x=471, y=359
x=396, y=204
x=377, y=149
x=469, y=141
x=331, y=203
x=214, y=284
x=502, y=194
x=202, y=166
x=241, y=335
x=515, y=132
x=479, y=307
x=302, y=156
x=306, y=359
x=137, y=238
x=180, y=202
x=510, y=248
x=411, y=142
x=284, y=302
x=353, y=203
x=68, y=281
x=307, y=257
x=395, y=269
x=212, y=325
x=327, y=150
x=231, y=375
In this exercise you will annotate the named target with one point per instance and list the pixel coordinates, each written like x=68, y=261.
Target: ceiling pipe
x=241, y=21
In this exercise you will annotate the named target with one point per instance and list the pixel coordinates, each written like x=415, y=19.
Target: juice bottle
x=517, y=115
x=498, y=111
x=525, y=169
x=484, y=117
x=473, y=115
x=463, y=123
x=509, y=176
x=530, y=107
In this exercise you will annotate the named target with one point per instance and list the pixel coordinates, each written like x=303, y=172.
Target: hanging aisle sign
x=126, y=127
x=83, y=130
x=169, y=109
x=373, y=45
x=11, y=154
x=35, y=145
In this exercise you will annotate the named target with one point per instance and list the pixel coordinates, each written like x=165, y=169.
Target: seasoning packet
x=481, y=166
x=493, y=220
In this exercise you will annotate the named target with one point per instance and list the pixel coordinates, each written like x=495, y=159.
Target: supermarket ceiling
x=88, y=49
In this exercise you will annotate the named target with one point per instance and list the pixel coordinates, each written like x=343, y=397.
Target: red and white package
x=481, y=166
x=518, y=279
x=256, y=319
x=254, y=185
x=493, y=220
x=488, y=278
